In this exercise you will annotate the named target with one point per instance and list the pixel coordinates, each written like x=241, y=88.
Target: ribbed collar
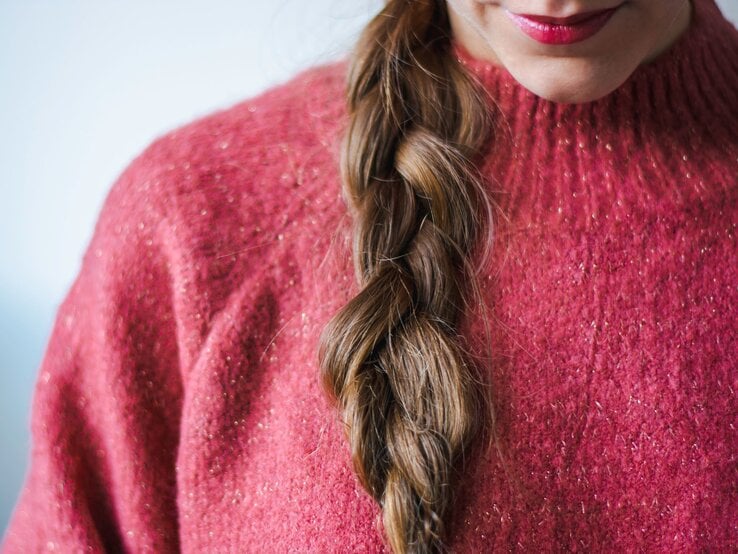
x=668, y=122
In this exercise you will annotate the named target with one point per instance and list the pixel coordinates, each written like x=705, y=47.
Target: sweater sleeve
x=108, y=393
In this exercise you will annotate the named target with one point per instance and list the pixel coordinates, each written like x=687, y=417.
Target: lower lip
x=549, y=33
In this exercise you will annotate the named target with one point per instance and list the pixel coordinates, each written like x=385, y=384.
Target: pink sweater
x=177, y=407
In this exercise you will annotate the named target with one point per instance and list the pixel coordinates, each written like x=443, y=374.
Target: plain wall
x=85, y=86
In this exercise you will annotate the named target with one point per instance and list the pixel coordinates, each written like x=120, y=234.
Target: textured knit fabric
x=177, y=407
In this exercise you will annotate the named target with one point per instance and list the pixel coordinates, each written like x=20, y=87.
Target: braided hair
x=391, y=358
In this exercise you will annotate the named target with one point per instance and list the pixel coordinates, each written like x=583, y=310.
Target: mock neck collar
x=665, y=139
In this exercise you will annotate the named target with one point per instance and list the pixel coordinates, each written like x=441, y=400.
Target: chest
x=613, y=366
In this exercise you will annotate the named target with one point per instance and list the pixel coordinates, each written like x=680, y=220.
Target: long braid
x=391, y=357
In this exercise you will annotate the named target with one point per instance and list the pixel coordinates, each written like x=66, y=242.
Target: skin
x=636, y=34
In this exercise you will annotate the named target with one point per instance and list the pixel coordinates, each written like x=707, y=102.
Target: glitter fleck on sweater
x=177, y=407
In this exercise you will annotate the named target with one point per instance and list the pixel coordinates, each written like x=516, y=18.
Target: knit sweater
x=177, y=406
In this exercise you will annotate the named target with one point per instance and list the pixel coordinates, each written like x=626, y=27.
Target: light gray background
x=85, y=85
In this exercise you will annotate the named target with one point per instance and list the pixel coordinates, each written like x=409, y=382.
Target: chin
x=571, y=82
x=571, y=93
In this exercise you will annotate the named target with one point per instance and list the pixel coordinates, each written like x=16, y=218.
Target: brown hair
x=392, y=358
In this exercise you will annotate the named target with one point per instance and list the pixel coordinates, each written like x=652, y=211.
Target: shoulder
x=253, y=135
x=235, y=165
x=226, y=200
x=298, y=109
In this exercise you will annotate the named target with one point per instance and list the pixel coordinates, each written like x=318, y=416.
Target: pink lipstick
x=568, y=30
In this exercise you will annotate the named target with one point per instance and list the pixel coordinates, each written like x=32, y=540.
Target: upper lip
x=569, y=20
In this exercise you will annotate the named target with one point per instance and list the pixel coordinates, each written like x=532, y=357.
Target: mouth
x=562, y=30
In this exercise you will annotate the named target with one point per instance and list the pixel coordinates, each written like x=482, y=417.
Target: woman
x=504, y=321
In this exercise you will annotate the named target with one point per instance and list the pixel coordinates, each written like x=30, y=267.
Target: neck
x=673, y=31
